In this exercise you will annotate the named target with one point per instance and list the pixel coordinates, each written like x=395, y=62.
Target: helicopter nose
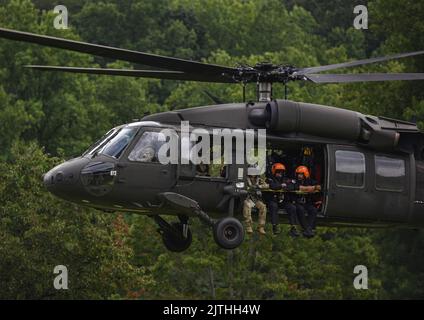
x=57, y=177
x=47, y=179
x=63, y=180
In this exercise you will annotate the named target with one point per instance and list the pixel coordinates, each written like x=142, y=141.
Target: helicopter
x=371, y=168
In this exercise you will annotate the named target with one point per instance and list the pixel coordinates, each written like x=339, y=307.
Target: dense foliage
x=47, y=117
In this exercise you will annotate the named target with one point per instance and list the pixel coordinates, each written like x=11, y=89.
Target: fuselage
x=361, y=186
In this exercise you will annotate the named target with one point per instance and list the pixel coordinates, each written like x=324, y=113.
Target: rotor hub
x=266, y=72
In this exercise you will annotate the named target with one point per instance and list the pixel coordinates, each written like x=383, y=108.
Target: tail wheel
x=228, y=233
x=176, y=242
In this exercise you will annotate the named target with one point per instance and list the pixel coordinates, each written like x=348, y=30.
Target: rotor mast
x=266, y=74
x=264, y=91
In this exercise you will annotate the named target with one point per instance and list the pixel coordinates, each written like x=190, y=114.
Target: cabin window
x=147, y=147
x=350, y=169
x=389, y=173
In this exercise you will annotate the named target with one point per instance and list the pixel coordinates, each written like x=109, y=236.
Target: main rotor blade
x=305, y=71
x=358, y=77
x=214, y=98
x=157, y=74
x=147, y=59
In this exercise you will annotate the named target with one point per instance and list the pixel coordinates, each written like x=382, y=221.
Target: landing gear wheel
x=176, y=243
x=228, y=233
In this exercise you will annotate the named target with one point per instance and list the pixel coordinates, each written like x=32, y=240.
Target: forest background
x=46, y=118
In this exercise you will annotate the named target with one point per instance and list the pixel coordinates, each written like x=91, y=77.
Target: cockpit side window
x=147, y=147
x=115, y=146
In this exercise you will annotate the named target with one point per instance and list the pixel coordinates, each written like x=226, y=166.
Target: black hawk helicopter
x=371, y=168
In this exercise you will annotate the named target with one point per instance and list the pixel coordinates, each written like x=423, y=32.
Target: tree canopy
x=48, y=117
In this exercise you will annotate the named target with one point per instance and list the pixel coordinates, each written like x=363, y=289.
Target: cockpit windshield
x=117, y=144
x=113, y=143
x=99, y=143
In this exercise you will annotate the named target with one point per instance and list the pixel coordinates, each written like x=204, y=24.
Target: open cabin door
x=209, y=183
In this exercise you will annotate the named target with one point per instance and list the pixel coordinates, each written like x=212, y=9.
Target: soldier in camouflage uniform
x=254, y=199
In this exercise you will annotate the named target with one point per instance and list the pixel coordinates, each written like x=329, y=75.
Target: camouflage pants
x=247, y=212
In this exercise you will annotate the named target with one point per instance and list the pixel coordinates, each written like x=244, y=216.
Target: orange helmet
x=304, y=170
x=277, y=166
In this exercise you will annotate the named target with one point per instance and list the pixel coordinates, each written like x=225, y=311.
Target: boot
x=293, y=232
x=261, y=217
x=248, y=226
x=249, y=229
x=247, y=214
x=261, y=230
x=308, y=233
x=275, y=229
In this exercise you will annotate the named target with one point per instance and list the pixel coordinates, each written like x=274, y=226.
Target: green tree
x=114, y=256
x=38, y=232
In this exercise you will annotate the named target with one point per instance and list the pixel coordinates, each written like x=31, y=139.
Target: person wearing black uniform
x=305, y=201
x=275, y=200
x=274, y=156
